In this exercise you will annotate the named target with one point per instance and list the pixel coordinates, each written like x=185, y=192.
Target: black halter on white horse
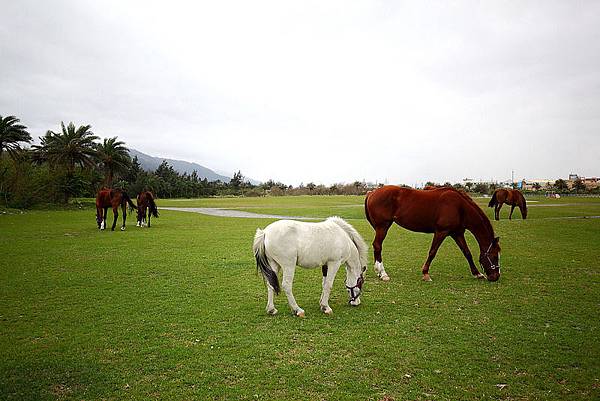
x=357, y=287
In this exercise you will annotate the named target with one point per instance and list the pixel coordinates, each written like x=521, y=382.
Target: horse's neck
x=483, y=232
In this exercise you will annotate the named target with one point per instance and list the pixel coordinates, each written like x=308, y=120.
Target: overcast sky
x=323, y=91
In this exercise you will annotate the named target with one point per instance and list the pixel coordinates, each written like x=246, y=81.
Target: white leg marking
x=379, y=269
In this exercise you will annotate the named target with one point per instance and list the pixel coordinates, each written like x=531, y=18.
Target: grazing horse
x=145, y=201
x=112, y=198
x=512, y=197
x=441, y=211
x=285, y=243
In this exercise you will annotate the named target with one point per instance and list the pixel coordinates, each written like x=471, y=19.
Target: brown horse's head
x=490, y=260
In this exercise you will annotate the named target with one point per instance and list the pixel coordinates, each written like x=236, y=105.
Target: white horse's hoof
x=327, y=310
x=384, y=277
x=122, y=228
x=272, y=311
x=300, y=313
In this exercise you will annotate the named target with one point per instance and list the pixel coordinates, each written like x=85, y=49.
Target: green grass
x=177, y=312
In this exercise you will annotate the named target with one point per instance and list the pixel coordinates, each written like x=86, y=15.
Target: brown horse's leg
x=380, y=233
x=512, y=208
x=124, y=210
x=99, y=217
x=115, y=217
x=438, y=238
x=462, y=244
x=498, y=207
x=104, y=217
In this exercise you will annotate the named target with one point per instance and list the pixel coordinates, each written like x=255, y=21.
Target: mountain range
x=151, y=163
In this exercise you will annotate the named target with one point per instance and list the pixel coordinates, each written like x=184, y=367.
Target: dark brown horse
x=441, y=211
x=145, y=201
x=512, y=197
x=112, y=198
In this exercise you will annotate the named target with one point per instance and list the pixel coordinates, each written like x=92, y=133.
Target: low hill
x=151, y=163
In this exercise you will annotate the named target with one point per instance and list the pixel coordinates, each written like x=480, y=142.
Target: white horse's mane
x=358, y=241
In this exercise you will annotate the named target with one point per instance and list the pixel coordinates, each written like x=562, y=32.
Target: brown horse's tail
x=367, y=209
x=493, y=201
x=152, y=205
x=125, y=198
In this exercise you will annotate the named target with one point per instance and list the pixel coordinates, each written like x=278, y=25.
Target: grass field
x=177, y=311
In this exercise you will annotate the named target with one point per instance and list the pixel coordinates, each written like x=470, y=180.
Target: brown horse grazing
x=441, y=211
x=112, y=198
x=512, y=197
x=145, y=201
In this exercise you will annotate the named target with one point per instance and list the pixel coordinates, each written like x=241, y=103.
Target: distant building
x=547, y=184
x=536, y=184
x=472, y=181
x=589, y=182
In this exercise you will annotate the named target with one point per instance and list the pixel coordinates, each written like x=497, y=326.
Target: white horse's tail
x=262, y=263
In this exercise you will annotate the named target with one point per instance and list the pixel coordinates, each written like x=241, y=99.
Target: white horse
x=286, y=243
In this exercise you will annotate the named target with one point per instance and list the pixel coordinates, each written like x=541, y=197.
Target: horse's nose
x=493, y=277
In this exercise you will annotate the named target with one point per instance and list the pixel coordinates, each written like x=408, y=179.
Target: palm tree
x=11, y=133
x=69, y=148
x=114, y=158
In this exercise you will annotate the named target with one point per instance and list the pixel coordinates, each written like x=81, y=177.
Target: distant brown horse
x=145, y=201
x=441, y=211
x=112, y=198
x=512, y=197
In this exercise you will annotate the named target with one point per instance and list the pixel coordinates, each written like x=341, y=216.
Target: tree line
x=74, y=162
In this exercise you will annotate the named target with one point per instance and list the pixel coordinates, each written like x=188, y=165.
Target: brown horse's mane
x=480, y=213
x=521, y=197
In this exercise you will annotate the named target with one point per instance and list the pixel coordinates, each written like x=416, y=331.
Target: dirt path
x=213, y=211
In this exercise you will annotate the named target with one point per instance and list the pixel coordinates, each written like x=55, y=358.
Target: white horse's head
x=356, y=265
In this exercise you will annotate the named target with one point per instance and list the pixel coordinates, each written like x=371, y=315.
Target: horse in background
x=512, y=197
x=442, y=211
x=285, y=244
x=112, y=198
x=145, y=201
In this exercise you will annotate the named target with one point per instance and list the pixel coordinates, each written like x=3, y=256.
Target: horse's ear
x=497, y=240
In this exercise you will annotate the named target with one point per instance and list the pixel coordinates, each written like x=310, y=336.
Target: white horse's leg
x=332, y=268
x=271, y=310
x=286, y=284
